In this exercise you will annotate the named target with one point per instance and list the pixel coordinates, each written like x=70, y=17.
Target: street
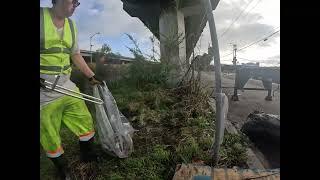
x=249, y=100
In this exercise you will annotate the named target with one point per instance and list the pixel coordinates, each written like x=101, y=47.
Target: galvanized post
x=218, y=91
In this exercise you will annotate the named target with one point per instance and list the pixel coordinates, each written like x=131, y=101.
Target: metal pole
x=235, y=53
x=92, y=45
x=215, y=47
x=90, y=51
x=72, y=93
x=234, y=61
x=235, y=90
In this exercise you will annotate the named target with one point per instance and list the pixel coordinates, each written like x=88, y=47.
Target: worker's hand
x=42, y=85
x=94, y=80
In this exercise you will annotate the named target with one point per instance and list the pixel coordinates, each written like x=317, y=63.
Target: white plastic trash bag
x=114, y=130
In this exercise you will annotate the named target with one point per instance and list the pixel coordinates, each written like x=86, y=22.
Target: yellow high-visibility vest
x=55, y=52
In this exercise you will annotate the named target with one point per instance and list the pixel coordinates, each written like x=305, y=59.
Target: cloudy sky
x=256, y=19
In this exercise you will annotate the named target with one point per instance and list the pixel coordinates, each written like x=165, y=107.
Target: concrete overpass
x=167, y=19
x=110, y=59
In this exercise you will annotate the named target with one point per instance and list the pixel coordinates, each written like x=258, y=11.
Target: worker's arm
x=78, y=60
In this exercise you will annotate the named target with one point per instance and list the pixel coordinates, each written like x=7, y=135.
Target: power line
x=235, y=19
x=258, y=41
x=273, y=30
x=246, y=46
x=265, y=34
x=227, y=55
x=259, y=1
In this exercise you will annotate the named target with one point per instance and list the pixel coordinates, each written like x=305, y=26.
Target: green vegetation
x=175, y=124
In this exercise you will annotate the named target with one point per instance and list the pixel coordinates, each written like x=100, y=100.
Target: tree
x=105, y=49
x=136, y=51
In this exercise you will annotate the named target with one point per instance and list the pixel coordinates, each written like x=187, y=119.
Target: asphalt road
x=249, y=100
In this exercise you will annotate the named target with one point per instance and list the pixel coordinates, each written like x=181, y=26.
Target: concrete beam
x=191, y=10
x=149, y=12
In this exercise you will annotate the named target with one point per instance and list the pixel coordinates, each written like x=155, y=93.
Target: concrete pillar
x=172, y=37
x=182, y=32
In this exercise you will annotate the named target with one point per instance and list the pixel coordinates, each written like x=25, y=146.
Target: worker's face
x=69, y=6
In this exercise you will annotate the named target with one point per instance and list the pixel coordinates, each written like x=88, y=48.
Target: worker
x=59, y=44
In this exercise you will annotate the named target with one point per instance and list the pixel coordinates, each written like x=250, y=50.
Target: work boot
x=87, y=152
x=61, y=164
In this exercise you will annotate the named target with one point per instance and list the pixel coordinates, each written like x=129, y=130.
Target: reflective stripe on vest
x=72, y=32
x=54, y=68
x=55, y=50
x=43, y=50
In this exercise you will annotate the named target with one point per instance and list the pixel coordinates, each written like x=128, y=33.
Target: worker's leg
x=50, y=121
x=78, y=119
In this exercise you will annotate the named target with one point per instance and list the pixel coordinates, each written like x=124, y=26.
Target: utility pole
x=234, y=55
x=234, y=61
x=92, y=45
